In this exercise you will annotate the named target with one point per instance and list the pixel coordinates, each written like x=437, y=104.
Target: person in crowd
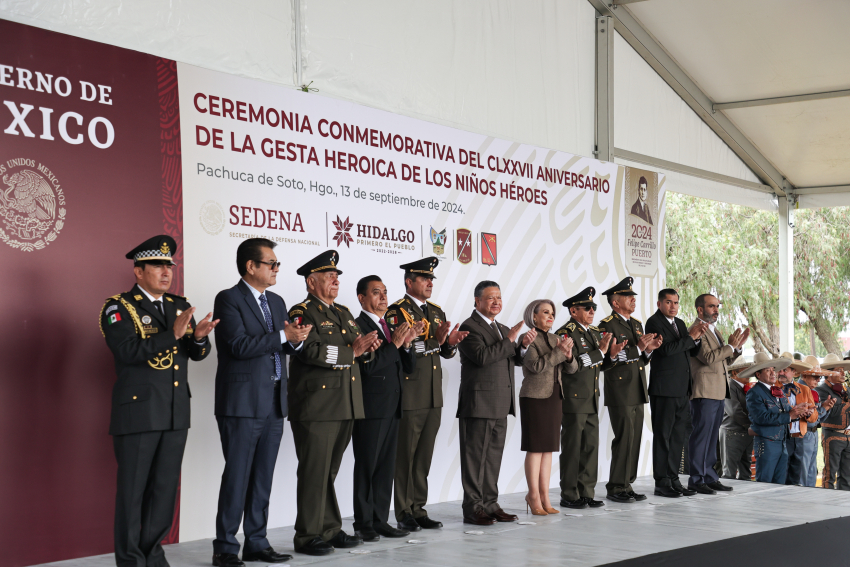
x=540, y=401
x=325, y=397
x=670, y=388
x=770, y=415
x=487, y=358
x=710, y=389
x=798, y=431
x=152, y=336
x=736, y=444
x=250, y=400
x=835, y=434
x=375, y=438
x=422, y=398
x=625, y=388
x=812, y=378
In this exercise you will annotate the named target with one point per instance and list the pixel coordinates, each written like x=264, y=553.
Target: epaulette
x=302, y=304
x=608, y=318
x=296, y=310
x=399, y=302
x=638, y=320
x=434, y=304
x=594, y=328
x=571, y=326
x=168, y=296
x=343, y=306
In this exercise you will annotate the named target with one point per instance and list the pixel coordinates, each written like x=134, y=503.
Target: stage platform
x=613, y=533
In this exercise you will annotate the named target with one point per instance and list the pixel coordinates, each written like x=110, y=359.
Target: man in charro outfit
x=325, y=396
x=580, y=409
x=422, y=396
x=152, y=336
x=835, y=432
x=625, y=388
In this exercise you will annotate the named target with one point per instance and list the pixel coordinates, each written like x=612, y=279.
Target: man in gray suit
x=736, y=445
x=487, y=359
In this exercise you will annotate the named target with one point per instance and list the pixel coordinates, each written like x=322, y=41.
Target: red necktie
x=386, y=329
x=776, y=392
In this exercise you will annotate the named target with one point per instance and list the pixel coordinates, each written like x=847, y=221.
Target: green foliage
x=732, y=252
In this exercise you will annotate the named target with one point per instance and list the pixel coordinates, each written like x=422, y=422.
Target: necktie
x=267, y=315
x=675, y=328
x=158, y=305
x=386, y=329
x=495, y=327
x=424, y=307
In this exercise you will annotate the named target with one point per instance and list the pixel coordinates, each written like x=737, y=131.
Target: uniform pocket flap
x=329, y=383
x=132, y=394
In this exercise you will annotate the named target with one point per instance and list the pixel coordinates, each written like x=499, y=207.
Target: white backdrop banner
x=313, y=173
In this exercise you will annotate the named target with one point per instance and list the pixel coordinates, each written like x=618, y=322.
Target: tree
x=732, y=252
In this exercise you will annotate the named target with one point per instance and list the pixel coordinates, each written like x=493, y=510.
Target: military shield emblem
x=464, y=245
x=438, y=240
x=488, y=249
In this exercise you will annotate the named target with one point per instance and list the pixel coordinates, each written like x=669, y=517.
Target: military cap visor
x=424, y=267
x=158, y=249
x=622, y=288
x=584, y=298
x=325, y=262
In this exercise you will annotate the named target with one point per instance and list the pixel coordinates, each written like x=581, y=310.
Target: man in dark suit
x=325, y=398
x=152, y=336
x=250, y=400
x=487, y=358
x=625, y=388
x=670, y=391
x=736, y=445
x=375, y=438
x=641, y=208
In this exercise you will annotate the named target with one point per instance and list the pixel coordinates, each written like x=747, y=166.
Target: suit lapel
x=367, y=325
x=484, y=325
x=252, y=304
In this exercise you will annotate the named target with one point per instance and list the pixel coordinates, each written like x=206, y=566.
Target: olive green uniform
x=579, y=459
x=325, y=397
x=625, y=396
x=422, y=404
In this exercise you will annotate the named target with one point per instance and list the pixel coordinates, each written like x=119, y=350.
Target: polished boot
x=502, y=516
x=343, y=540
x=667, y=492
x=716, y=485
x=427, y=523
x=593, y=503
x=226, y=560
x=409, y=523
x=367, y=534
x=574, y=504
x=316, y=546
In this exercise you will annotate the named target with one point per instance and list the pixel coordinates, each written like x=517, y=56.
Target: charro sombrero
x=798, y=365
x=834, y=362
x=761, y=361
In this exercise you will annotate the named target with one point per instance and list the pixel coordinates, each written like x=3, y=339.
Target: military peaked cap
x=584, y=298
x=158, y=249
x=424, y=267
x=622, y=288
x=324, y=262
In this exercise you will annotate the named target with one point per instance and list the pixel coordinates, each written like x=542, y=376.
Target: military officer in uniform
x=152, y=336
x=325, y=397
x=422, y=396
x=579, y=458
x=625, y=389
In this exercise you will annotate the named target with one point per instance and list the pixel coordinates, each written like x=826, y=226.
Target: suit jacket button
x=272, y=378
x=641, y=367
x=134, y=397
x=407, y=377
x=176, y=367
x=343, y=331
x=396, y=389
x=323, y=386
x=176, y=383
x=352, y=378
x=435, y=367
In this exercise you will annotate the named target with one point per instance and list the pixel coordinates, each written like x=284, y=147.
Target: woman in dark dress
x=540, y=401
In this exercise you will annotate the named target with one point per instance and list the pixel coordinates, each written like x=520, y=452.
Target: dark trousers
x=319, y=446
x=375, y=442
x=670, y=421
x=148, y=477
x=794, y=446
x=579, y=459
x=417, y=435
x=627, y=423
x=771, y=460
x=482, y=442
x=250, y=449
x=737, y=451
x=836, y=460
x=706, y=416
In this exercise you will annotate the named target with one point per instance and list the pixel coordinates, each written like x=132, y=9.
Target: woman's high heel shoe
x=551, y=510
x=534, y=511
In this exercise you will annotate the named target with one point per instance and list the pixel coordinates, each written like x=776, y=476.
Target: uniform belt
x=838, y=432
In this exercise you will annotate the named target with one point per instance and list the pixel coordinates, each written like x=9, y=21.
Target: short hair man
x=799, y=438
x=641, y=207
x=152, y=336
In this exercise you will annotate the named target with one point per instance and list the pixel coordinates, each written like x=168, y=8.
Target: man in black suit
x=640, y=208
x=250, y=400
x=670, y=391
x=152, y=336
x=375, y=438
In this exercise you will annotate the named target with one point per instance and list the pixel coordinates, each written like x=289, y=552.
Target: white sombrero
x=798, y=365
x=761, y=361
x=833, y=362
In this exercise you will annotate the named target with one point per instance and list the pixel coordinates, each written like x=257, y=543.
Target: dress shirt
x=490, y=322
x=792, y=399
x=260, y=305
x=673, y=322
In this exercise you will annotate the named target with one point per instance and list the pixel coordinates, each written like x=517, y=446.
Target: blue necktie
x=267, y=315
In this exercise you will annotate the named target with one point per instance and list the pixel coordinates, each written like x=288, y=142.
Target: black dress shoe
x=636, y=496
x=389, y=531
x=621, y=497
x=367, y=534
x=268, y=555
x=667, y=492
x=479, y=518
x=720, y=487
x=316, y=546
x=343, y=540
x=427, y=523
x=593, y=503
x=702, y=488
x=502, y=516
x=409, y=523
x=677, y=486
x=226, y=560
x=579, y=504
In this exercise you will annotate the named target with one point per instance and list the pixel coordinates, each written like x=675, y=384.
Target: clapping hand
x=828, y=403
x=615, y=348
x=698, y=329
x=513, y=334
x=182, y=323
x=400, y=334
x=366, y=343
x=456, y=336
x=738, y=338
x=205, y=327
x=566, y=345
x=529, y=338
x=645, y=341
x=295, y=333
x=605, y=342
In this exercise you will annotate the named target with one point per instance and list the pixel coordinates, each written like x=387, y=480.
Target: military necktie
x=158, y=305
x=267, y=315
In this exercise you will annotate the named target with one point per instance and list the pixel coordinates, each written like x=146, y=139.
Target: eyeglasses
x=587, y=307
x=272, y=265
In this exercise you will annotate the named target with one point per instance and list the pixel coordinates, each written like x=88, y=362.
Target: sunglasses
x=272, y=265
x=587, y=307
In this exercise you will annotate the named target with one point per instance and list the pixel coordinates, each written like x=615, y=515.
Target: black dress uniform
x=325, y=397
x=625, y=396
x=150, y=410
x=422, y=402
x=579, y=459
